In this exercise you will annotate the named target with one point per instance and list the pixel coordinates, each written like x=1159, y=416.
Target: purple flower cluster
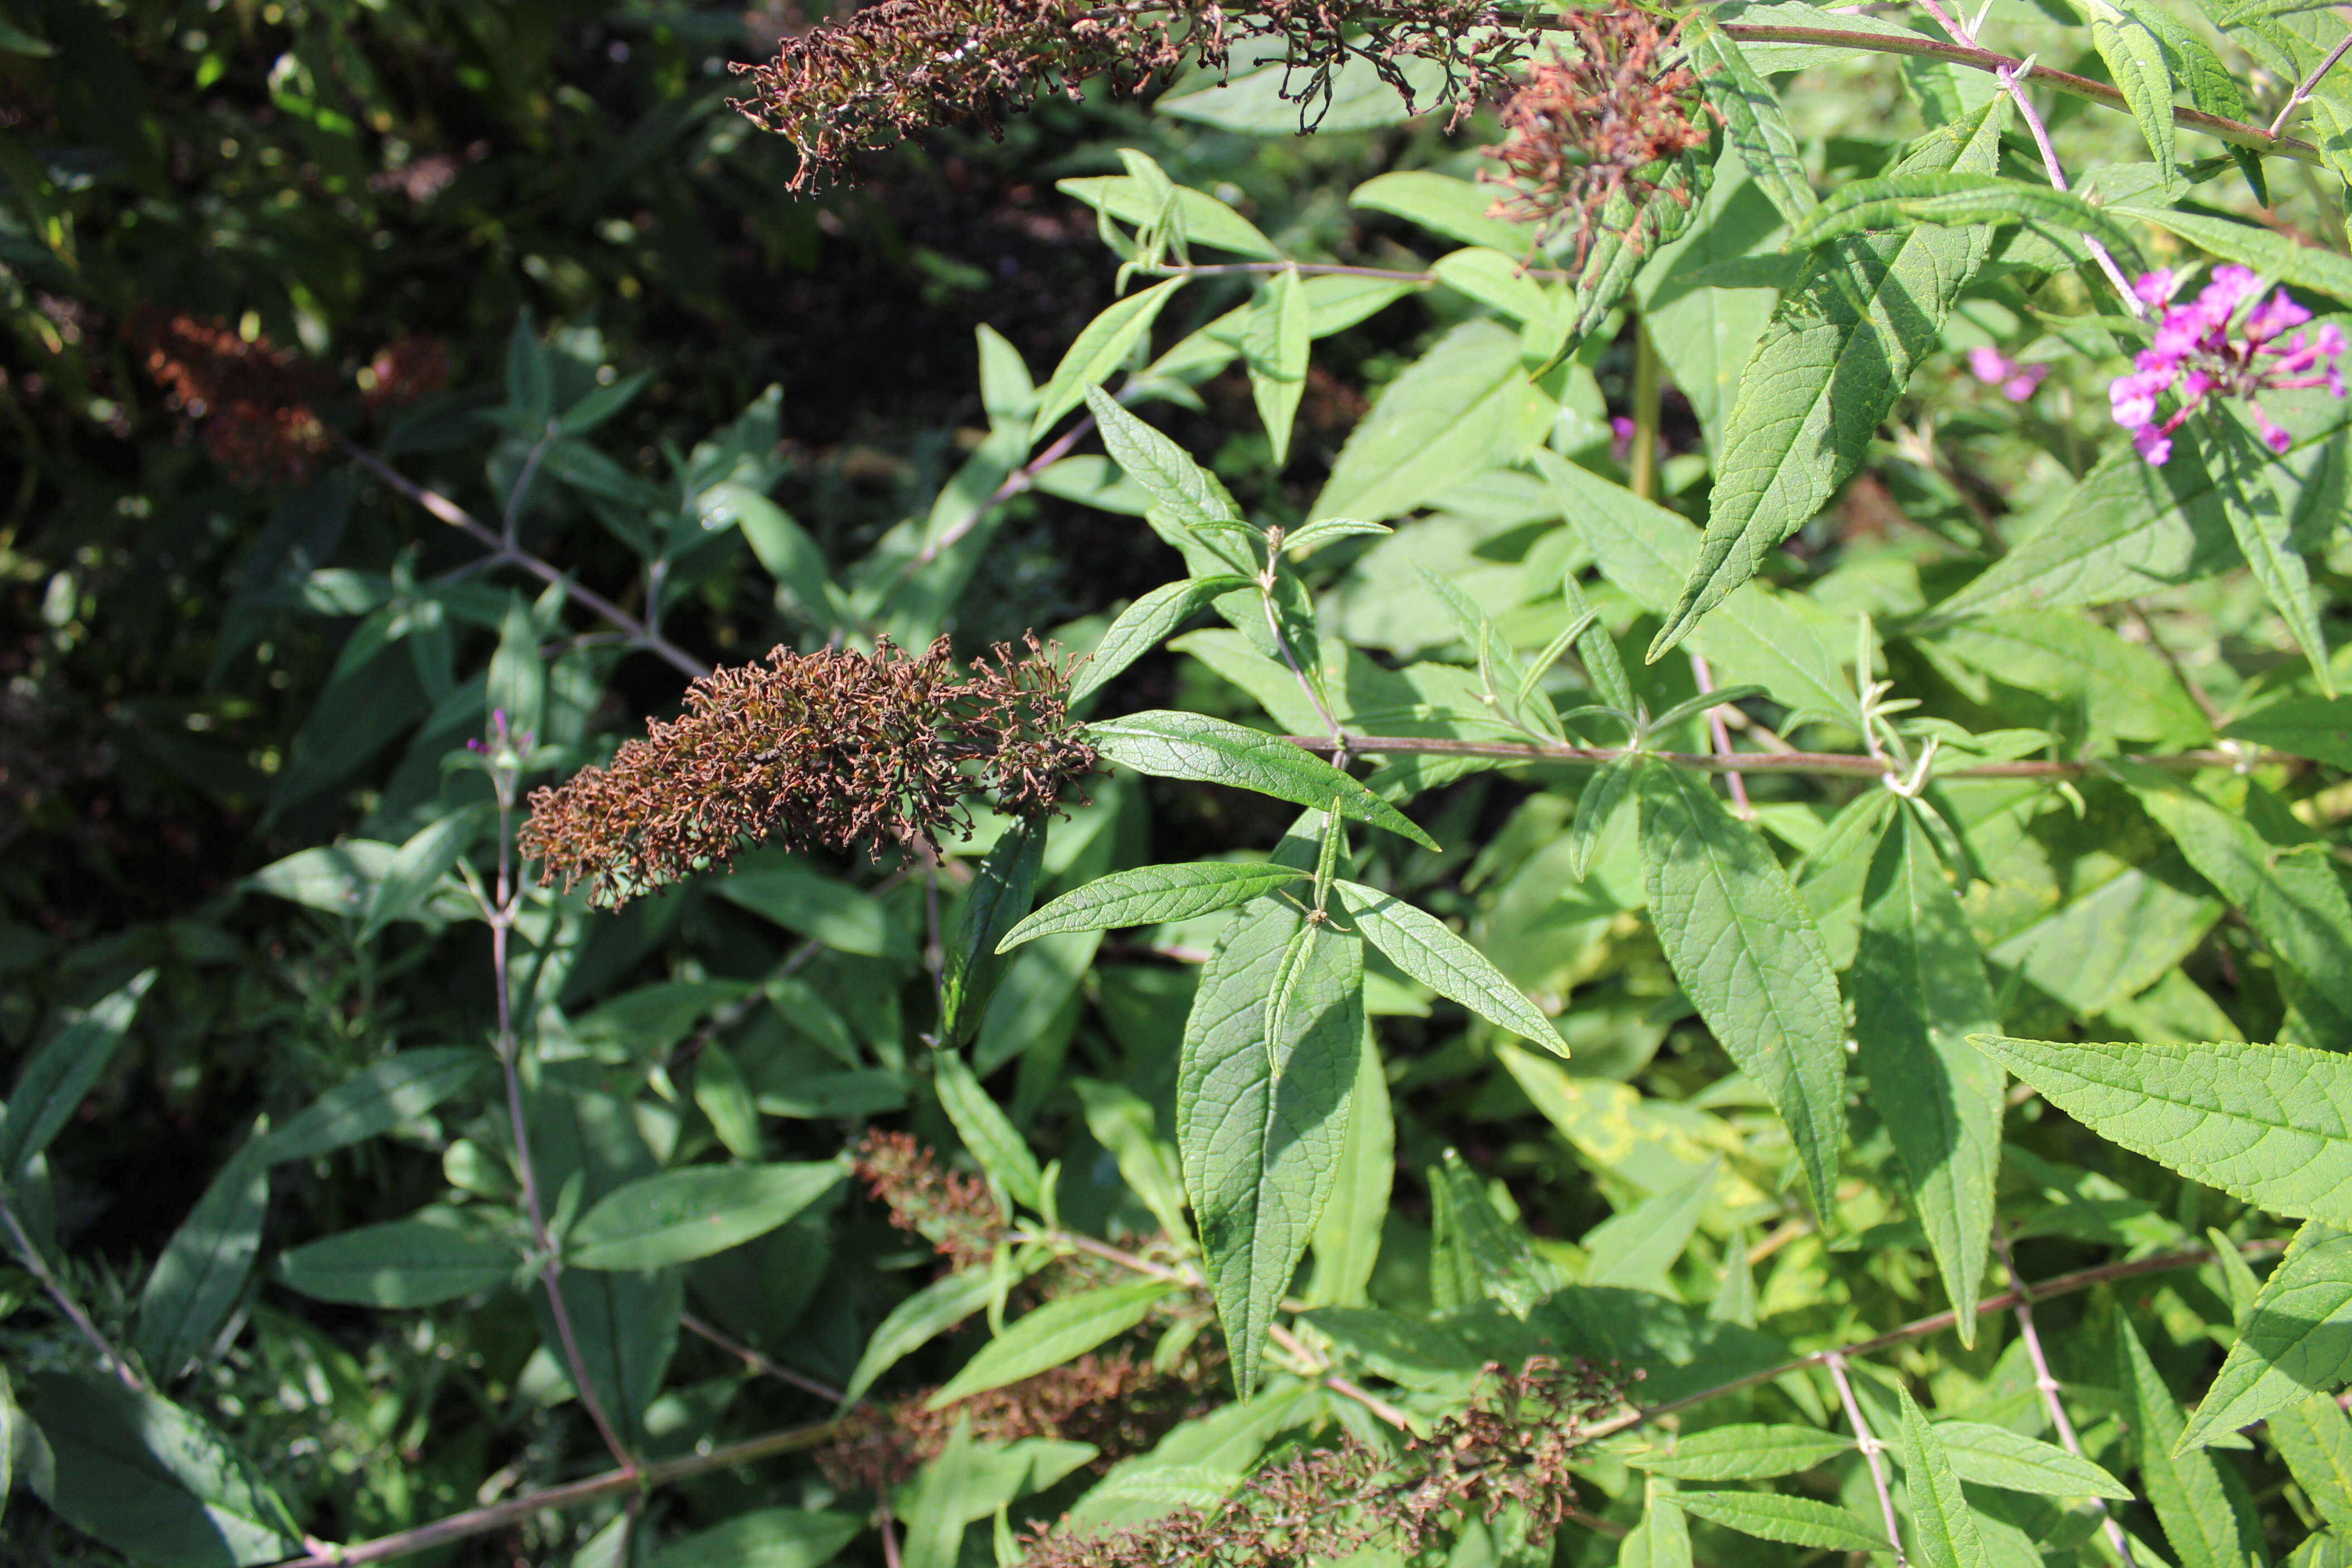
x=2194, y=354
x=1995, y=368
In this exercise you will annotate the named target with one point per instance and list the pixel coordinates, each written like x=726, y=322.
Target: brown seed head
x=820, y=750
x=252, y=401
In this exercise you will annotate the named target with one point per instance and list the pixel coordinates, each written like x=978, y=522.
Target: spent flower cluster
x=2205, y=347
x=831, y=749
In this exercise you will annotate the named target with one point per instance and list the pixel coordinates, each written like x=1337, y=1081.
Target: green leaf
x=764, y=1538
x=375, y=1099
x=203, y=1269
x=1475, y=1253
x=721, y=1094
x=1752, y=121
x=987, y=1132
x=1637, y=1247
x=785, y=549
x=815, y=905
x=1055, y=1332
x=998, y=899
x=2295, y=901
x=1919, y=991
x=17, y=41
x=1100, y=350
x=1154, y=895
x=1461, y=408
x=1271, y=1051
x=337, y=878
x=1124, y=1124
x=2315, y=727
x=627, y=1327
x=1893, y=200
x=2270, y=1124
x=517, y=676
x=1275, y=349
x=1596, y=802
x=2270, y=254
x=1943, y=1529
x=60, y=1073
x=1797, y=1521
x=1997, y=1456
x=419, y=866
x=1838, y=354
x=1742, y=1453
x=1748, y=955
x=421, y=1261
x=2134, y=60
x=153, y=1481
x=2191, y=1499
x=935, y=1523
x=676, y=1217
x=1324, y=529
x=1754, y=634
x=1347, y=1242
x=2125, y=688
x=1183, y=489
x=2296, y=1341
x=917, y=1320
x=2262, y=517
x=1425, y=948
x=1142, y=625
x=1662, y=1538
x=2314, y=1438
x=1173, y=744
x=1205, y=219
x=1444, y=205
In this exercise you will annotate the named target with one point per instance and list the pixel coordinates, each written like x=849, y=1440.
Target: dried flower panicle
x=951, y=1211
x=258, y=405
x=1509, y=1452
x=1610, y=122
x=902, y=67
x=831, y=749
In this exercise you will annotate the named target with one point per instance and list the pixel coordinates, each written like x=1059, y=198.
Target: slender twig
x=1871, y=1452
x=1019, y=479
x=2302, y=94
x=573, y=1494
x=1831, y=763
x=38, y=1266
x=1315, y=269
x=2048, y=1385
x=512, y=520
x=1319, y=1367
x=639, y=632
x=1642, y=472
x=758, y=1363
x=1722, y=739
x=2057, y=173
x=889, y=1528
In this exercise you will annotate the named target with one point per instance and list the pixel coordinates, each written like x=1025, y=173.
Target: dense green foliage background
x=250, y=1003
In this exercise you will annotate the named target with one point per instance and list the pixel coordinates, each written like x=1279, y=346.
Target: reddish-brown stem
x=758, y=1363
x=1835, y=763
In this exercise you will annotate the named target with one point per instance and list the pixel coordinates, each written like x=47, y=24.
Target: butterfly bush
x=1995, y=368
x=2197, y=351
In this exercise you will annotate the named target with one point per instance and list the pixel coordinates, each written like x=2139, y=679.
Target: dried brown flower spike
x=1583, y=130
x=827, y=751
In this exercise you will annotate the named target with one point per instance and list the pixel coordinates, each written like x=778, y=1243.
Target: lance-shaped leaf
x=204, y=1267
x=1797, y=1521
x=1942, y=1528
x=1101, y=348
x=417, y=869
x=1425, y=948
x=763, y=1538
x=1153, y=895
x=1348, y=1238
x=1750, y=957
x=2135, y=58
x=60, y=1073
x=1896, y=201
x=1919, y=992
x=2263, y=519
x=2315, y=1437
x=375, y=1099
x=1274, y=347
x=1838, y=354
x=935, y=1523
x=999, y=898
x=2296, y=1341
x=917, y=1320
x=1752, y=118
x=2270, y=254
x=1997, y=1456
x=2207, y=1520
x=1055, y=1332
x=1123, y=1123
x=1270, y=1055
x=1171, y=744
x=430, y=1258
x=2270, y=1124
x=2318, y=727
x=987, y=1132
x=1142, y=625
x=1596, y=802
x=676, y=1217
x=1740, y=1452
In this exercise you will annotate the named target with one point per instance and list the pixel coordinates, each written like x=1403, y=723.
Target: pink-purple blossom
x=1621, y=438
x=1995, y=368
x=2195, y=353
